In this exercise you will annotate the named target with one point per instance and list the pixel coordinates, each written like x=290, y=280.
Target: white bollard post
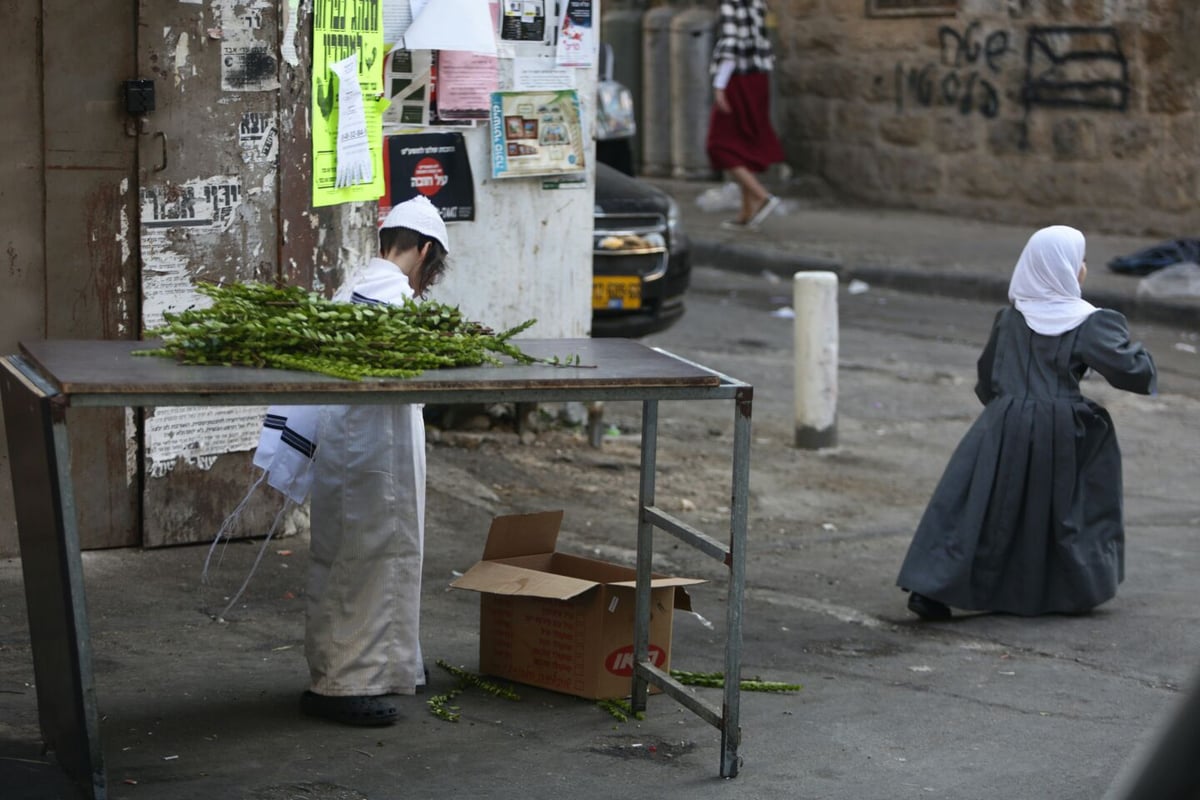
x=816, y=358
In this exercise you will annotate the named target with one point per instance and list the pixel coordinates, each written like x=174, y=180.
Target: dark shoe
x=352, y=710
x=927, y=608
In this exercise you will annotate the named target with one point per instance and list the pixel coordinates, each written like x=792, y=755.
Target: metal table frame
x=38, y=386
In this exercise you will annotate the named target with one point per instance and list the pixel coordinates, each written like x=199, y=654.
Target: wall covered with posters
x=487, y=119
x=239, y=140
x=1028, y=111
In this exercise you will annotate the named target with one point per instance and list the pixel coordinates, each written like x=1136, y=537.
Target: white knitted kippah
x=420, y=215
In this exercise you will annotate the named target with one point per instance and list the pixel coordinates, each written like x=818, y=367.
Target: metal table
x=48, y=377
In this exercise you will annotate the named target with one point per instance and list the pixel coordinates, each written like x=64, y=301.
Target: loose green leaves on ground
x=256, y=325
x=620, y=710
x=439, y=705
x=717, y=680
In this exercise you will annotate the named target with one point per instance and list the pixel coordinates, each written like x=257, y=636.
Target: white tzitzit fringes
x=287, y=504
x=226, y=529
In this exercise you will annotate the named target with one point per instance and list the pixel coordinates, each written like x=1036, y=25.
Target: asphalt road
x=982, y=707
x=987, y=706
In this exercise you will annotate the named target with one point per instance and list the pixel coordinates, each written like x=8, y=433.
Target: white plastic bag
x=1177, y=280
x=726, y=197
x=615, y=118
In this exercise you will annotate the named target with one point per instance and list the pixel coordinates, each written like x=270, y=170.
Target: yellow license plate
x=616, y=292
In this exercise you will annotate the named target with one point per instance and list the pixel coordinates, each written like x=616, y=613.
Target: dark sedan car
x=641, y=264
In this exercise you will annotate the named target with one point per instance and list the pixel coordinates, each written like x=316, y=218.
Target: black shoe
x=352, y=710
x=927, y=608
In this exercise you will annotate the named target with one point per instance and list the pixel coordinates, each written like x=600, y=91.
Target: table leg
x=645, y=552
x=35, y=426
x=731, y=732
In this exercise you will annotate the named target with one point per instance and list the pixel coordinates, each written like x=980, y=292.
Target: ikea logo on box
x=620, y=662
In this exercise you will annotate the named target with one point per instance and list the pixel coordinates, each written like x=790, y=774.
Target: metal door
x=90, y=266
x=69, y=178
x=208, y=190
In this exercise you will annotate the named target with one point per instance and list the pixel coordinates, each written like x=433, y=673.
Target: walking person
x=1028, y=517
x=740, y=138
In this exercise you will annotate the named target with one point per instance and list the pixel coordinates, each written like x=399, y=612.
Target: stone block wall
x=1083, y=112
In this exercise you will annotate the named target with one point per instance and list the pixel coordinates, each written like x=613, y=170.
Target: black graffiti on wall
x=1065, y=67
x=964, y=78
x=1075, y=67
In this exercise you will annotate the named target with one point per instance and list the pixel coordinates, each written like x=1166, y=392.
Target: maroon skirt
x=744, y=138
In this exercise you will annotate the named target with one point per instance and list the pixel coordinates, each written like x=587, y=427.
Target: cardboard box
x=559, y=621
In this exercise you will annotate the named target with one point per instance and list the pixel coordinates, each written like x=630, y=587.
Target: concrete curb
x=965, y=285
x=744, y=258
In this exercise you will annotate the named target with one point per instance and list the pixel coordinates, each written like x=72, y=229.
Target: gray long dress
x=1027, y=518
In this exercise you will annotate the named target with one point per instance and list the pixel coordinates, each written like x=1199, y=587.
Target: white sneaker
x=761, y=215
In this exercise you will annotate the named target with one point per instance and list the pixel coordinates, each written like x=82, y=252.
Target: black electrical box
x=139, y=96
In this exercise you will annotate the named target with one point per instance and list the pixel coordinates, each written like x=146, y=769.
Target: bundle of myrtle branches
x=256, y=325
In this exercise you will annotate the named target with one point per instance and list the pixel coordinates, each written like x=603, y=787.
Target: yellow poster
x=343, y=28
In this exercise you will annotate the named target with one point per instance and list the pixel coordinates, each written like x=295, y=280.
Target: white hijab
x=1045, y=283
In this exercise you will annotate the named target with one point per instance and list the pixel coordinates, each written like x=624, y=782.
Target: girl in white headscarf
x=1027, y=518
x=1046, y=285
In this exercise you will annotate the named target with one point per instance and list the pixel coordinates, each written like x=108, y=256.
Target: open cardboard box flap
x=519, y=559
x=522, y=535
x=499, y=578
x=683, y=600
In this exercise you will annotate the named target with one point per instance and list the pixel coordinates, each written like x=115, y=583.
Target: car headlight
x=674, y=225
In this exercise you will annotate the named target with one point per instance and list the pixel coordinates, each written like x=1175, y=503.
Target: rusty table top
x=105, y=372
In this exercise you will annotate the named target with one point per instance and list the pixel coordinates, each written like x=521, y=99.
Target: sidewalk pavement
x=908, y=250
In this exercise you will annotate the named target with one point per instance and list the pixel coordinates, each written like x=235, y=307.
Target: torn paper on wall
x=248, y=61
x=453, y=25
x=406, y=81
x=171, y=214
x=198, y=207
x=258, y=135
x=288, y=49
x=199, y=435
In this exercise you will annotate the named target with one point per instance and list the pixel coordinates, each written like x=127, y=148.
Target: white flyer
x=353, y=148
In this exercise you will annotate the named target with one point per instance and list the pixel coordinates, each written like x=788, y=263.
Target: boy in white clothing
x=368, y=511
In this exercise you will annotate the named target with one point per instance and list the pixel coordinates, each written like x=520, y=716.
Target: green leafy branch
x=287, y=327
x=440, y=705
x=717, y=680
x=620, y=710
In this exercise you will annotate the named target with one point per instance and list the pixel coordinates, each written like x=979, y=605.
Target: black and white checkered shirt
x=742, y=36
